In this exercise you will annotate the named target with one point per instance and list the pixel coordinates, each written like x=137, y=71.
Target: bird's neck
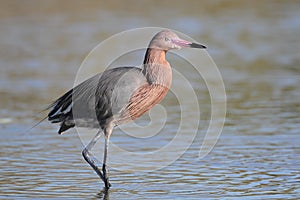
x=156, y=68
x=155, y=56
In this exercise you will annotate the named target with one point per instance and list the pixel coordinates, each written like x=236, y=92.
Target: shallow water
x=256, y=48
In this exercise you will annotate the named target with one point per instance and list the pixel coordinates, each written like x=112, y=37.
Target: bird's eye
x=167, y=39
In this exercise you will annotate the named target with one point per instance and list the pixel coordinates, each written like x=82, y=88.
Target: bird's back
x=98, y=100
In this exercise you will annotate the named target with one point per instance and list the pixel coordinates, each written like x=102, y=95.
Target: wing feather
x=92, y=99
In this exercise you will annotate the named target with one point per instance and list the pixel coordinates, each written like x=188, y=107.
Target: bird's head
x=167, y=40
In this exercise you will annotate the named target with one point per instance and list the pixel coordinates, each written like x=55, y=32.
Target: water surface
x=256, y=48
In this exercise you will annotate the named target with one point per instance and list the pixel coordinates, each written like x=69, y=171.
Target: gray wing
x=97, y=99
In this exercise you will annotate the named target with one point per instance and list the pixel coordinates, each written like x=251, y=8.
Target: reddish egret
x=117, y=96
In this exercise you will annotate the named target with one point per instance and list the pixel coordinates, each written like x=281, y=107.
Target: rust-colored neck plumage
x=154, y=56
x=156, y=68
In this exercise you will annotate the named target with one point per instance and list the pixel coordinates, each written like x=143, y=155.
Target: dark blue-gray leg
x=107, y=132
x=90, y=158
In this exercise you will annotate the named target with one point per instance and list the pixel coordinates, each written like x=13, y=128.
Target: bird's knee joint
x=85, y=153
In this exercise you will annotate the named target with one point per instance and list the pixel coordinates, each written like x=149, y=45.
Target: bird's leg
x=107, y=132
x=90, y=158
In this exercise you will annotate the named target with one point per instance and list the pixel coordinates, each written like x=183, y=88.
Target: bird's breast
x=143, y=99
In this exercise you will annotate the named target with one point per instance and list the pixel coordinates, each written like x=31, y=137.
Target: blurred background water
x=256, y=47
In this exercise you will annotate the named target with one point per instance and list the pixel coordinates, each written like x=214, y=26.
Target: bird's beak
x=199, y=46
x=184, y=43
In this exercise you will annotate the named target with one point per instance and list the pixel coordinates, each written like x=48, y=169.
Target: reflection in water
x=256, y=49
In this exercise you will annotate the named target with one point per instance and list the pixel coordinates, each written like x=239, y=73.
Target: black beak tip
x=199, y=46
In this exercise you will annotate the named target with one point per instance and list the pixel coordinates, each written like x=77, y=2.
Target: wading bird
x=117, y=96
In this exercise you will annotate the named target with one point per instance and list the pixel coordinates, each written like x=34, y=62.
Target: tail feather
x=61, y=104
x=61, y=112
x=57, y=118
x=64, y=127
